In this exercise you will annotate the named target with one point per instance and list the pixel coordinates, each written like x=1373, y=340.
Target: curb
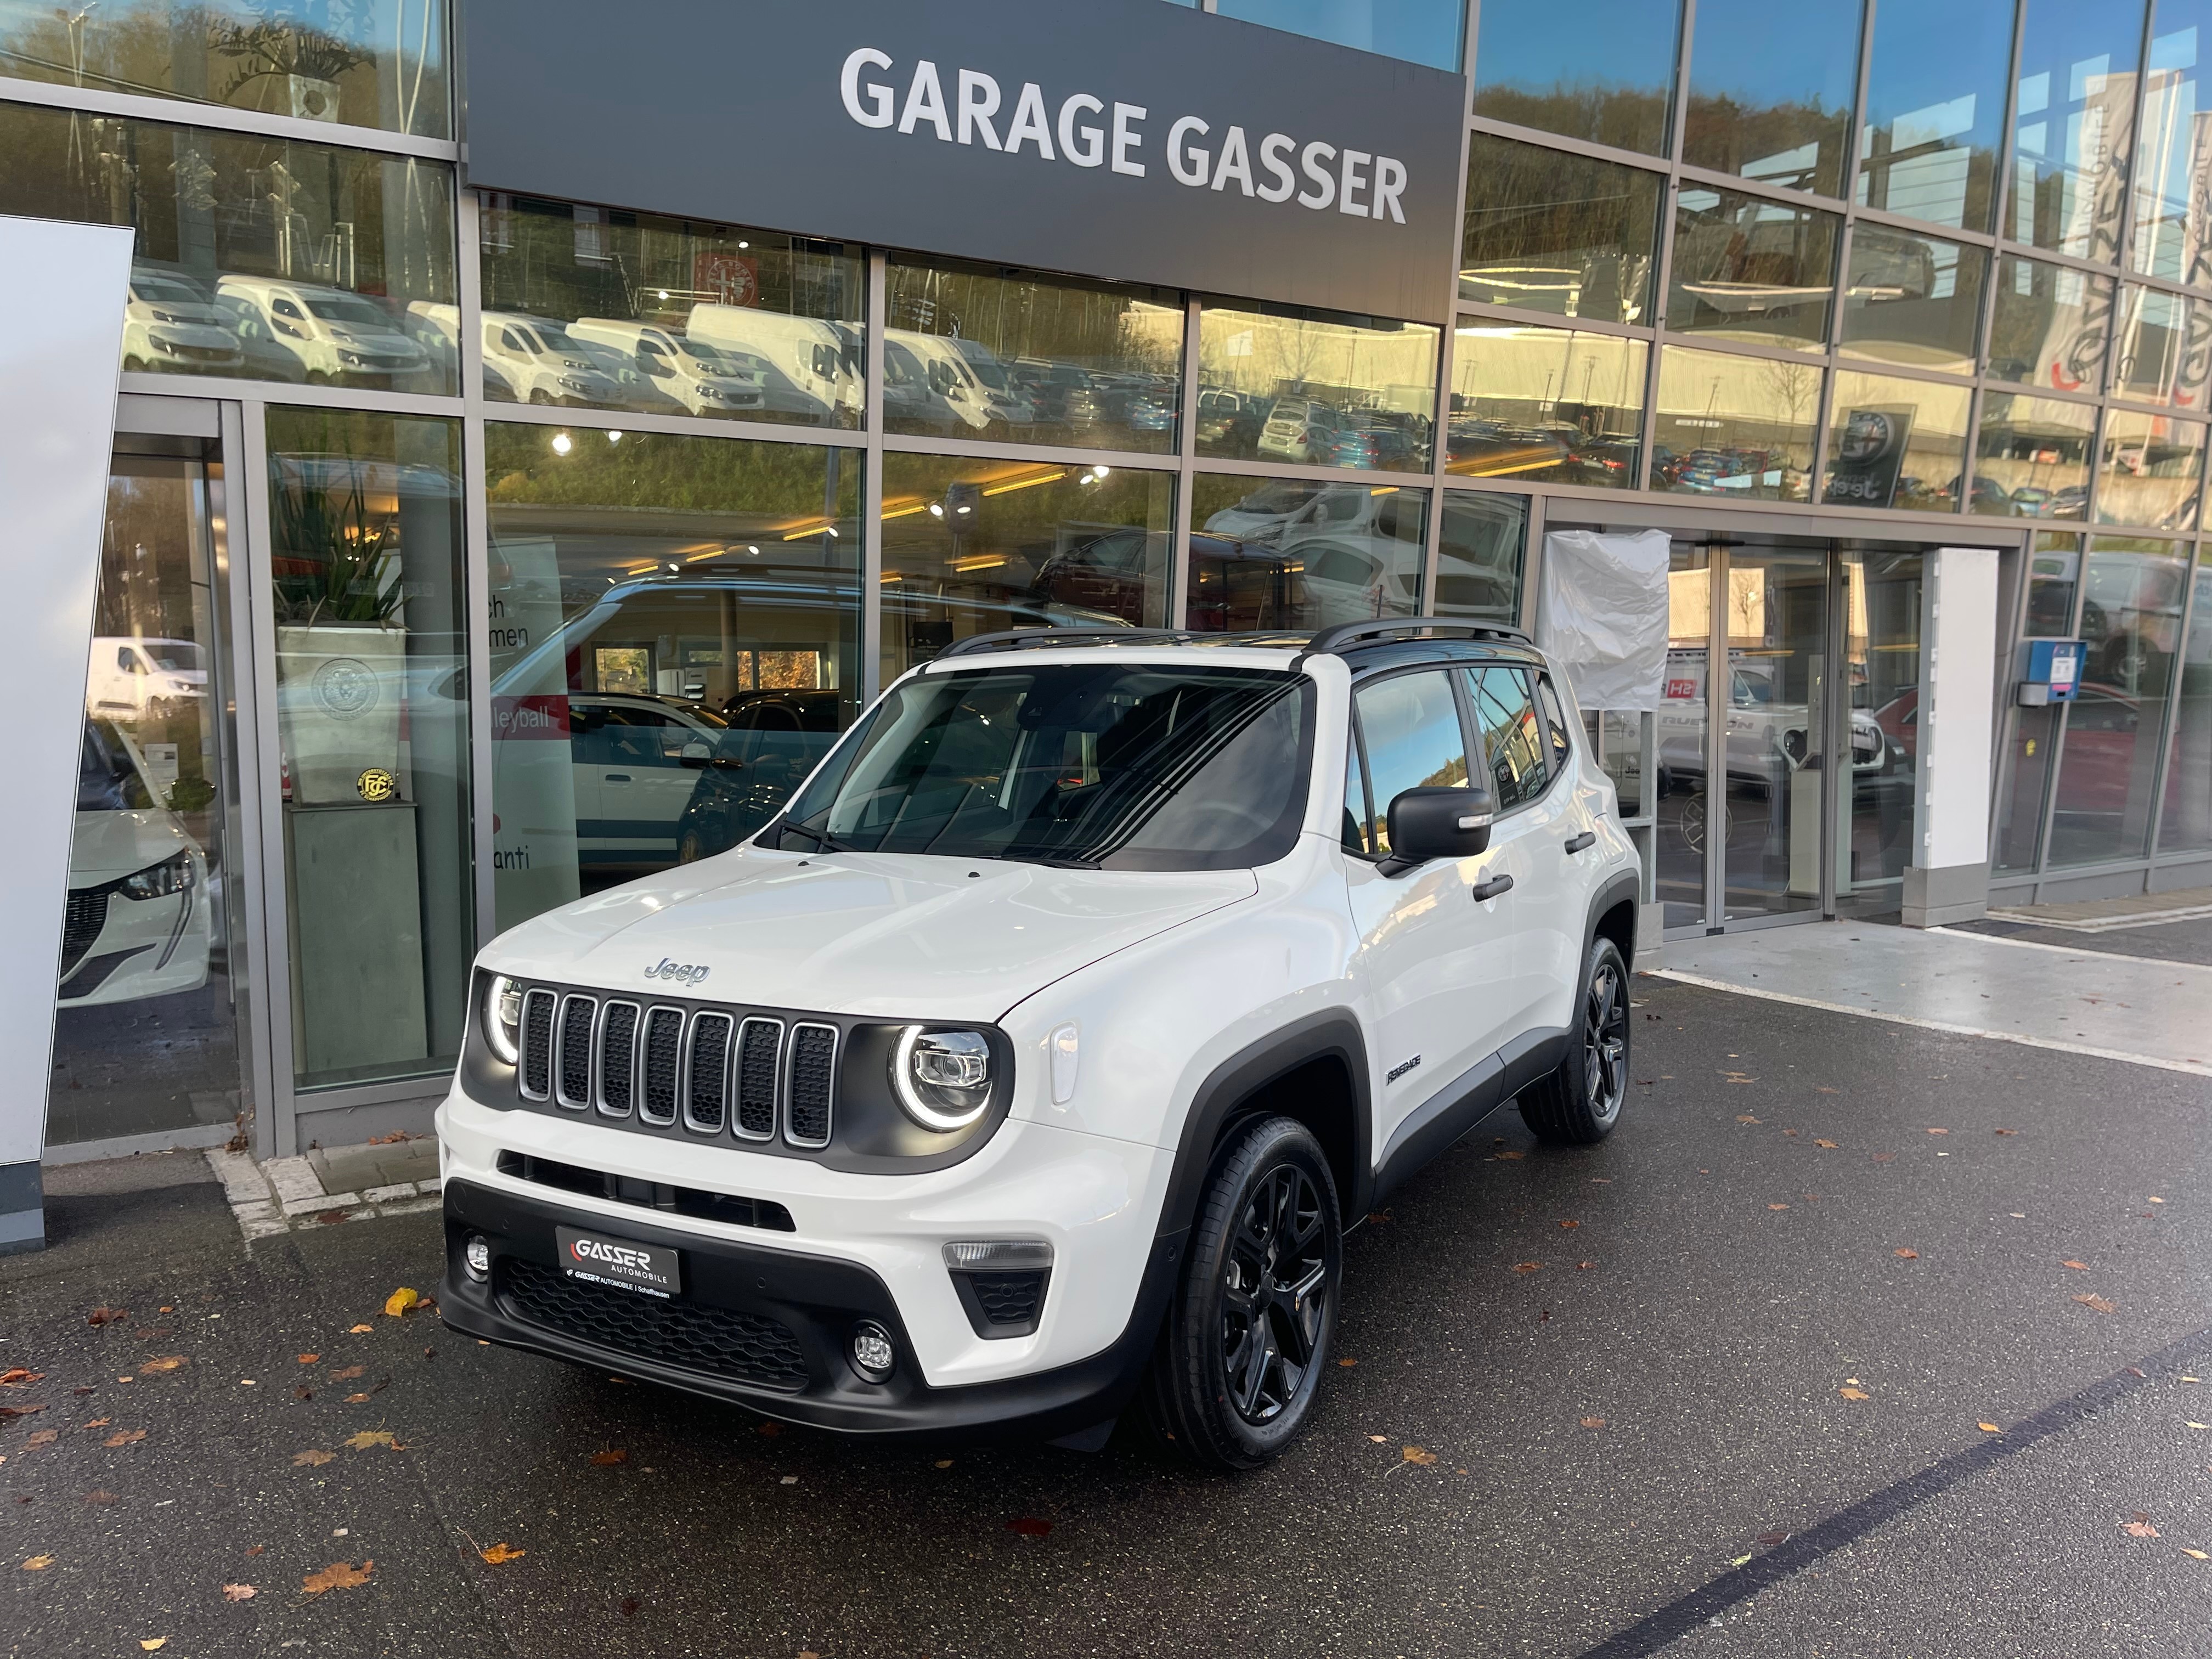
x=285, y=1193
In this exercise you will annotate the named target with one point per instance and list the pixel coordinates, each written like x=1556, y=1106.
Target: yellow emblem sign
x=376, y=784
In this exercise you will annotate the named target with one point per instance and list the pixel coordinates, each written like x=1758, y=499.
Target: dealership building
x=543, y=427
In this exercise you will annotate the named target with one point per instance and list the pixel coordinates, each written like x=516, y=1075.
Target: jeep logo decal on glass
x=684, y=973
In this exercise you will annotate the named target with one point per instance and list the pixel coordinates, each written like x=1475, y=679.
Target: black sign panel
x=1125, y=139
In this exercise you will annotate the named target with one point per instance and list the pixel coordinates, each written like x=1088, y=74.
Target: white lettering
x=1092, y=150
x=878, y=114
x=979, y=102
x=1030, y=122
x=1271, y=157
x=1389, y=185
x=925, y=101
x=1324, y=190
x=1235, y=162
x=1127, y=138
x=1188, y=168
x=1354, y=180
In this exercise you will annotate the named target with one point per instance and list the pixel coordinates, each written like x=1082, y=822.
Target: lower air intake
x=718, y=1341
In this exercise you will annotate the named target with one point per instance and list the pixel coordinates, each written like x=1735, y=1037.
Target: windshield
x=174, y=656
x=107, y=780
x=1113, y=766
x=552, y=338
x=350, y=311
x=167, y=292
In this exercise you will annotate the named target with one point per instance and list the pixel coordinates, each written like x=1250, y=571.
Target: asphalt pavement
x=1718, y=1386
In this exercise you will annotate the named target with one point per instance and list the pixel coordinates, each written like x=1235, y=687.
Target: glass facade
x=1921, y=262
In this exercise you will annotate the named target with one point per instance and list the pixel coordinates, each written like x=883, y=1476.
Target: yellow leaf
x=168, y=1362
x=37, y=1563
x=1415, y=1455
x=154, y=1643
x=2197, y=1555
x=500, y=1554
x=1989, y=1428
x=1747, y=1117
x=313, y=1457
x=1830, y=1145
x=1855, y=1394
x=400, y=1300
x=339, y=1575
x=357, y=1330
x=2201, y=1426
x=368, y=1437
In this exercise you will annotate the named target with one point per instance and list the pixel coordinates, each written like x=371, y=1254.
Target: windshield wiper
x=821, y=843
x=1057, y=864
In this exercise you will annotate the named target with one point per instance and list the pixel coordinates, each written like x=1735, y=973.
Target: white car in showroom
x=1031, y=1063
x=140, y=919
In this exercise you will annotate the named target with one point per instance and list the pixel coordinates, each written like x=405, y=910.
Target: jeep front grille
x=707, y=1071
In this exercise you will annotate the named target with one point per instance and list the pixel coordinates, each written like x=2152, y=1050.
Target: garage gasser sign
x=1125, y=139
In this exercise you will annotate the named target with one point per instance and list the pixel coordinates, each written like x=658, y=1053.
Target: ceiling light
x=561, y=444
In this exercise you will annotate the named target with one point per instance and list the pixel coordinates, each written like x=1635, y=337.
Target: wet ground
x=1738, y=1407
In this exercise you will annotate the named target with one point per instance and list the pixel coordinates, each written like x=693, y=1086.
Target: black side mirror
x=1439, y=823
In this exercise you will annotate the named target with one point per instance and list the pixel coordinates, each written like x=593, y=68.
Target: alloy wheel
x=1275, y=1293
x=1605, y=1043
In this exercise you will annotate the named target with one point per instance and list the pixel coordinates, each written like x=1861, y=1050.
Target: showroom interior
x=470, y=551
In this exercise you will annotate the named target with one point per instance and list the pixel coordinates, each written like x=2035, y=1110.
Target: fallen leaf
x=500, y=1554
x=238, y=1592
x=311, y=1358
x=944, y=1463
x=1747, y=1118
x=1570, y=1224
x=608, y=1459
x=43, y=1437
x=169, y=1363
x=1593, y=1422
x=1509, y=1157
x=2139, y=1529
x=124, y=1438
x=1855, y=1394
x=37, y=1563
x=1737, y=1561
x=1885, y=1157
x=107, y=1316
x=153, y=1643
x=1585, y=1266
x=19, y=1411
x=368, y=1437
x=101, y=1497
x=2097, y=1302
x=2007, y=1132
x=1029, y=1526
x=1527, y=1267
x=2197, y=1555
x=2158, y=1200
x=1378, y=1438
x=1347, y=1362
x=339, y=1575
x=1988, y=1428
x=1910, y=1255
x=347, y=1373
x=2078, y=1267
x=313, y=1457
x=1416, y=1454
x=1830, y=1145
x=1778, y=1206
x=355, y=1398
x=17, y=1376
x=400, y=1300
x=359, y=1330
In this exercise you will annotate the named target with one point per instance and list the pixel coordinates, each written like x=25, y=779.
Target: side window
x=1354, y=833
x=1414, y=741
x=285, y=307
x=1562, y=745
x=1517, y=747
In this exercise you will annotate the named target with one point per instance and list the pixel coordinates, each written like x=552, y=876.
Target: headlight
x=502, y=1018
x=942, y=1078
x=351, y=359
x=161, y=880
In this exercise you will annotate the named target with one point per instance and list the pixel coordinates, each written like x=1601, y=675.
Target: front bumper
x=765, y=1328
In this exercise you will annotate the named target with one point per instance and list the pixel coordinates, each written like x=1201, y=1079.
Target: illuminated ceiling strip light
x=906, y=512
x=1025, y=483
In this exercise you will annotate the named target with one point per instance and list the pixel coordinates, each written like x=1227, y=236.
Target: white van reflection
x=322, y=336
x=809, y=367
x=141, y=678
x=701, y=379
x=170, y=324
x=139, y=921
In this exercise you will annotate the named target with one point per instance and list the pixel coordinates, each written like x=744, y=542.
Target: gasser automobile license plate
x=651, y=1269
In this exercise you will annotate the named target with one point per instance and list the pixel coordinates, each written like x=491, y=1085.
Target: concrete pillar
x=1948, y=879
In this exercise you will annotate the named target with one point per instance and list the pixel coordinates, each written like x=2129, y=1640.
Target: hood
x=107, y=845
x=876, y=935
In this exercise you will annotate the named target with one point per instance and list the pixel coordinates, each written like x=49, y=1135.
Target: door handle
x=617, y=777
x=1490, y=888
x=1576, y=843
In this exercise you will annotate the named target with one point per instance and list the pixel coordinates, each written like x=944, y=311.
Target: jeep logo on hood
x=684, y=973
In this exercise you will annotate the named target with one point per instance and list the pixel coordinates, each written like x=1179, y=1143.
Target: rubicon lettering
x=684, y=973
x=912, y=102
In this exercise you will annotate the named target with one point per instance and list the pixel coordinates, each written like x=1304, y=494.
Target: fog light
x=476, y=1255
x=872, y=1352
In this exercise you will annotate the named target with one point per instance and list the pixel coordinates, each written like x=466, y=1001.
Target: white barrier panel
x=62, y=293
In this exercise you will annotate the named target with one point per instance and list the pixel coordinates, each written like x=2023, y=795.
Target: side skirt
x=1440, y=1121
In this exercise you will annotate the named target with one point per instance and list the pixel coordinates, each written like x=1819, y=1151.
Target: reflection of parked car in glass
x=703, y=378
x=632, y=781
x=776, y=739
x=807, y=367
x=1298, y=430
x=138, y=677
x=1013, y=405
x=1262, y=515
x=1229, y=420
x=170, y=324
x=2131, y=615
x=1767, y=739
x=139, y=921
x=331, y=336
x=1115, y=573
x=531, y=360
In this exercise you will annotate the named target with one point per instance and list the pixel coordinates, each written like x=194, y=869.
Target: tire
x=1223, y=1402
x=316, y=377
x=690, y=847
x=1578, y=1104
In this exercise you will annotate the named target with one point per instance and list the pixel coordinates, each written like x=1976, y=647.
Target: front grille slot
x=536, y=1077
x=578, y=1014
x=706, y=1080
x=618, y=1059
x=760, y=1042
x=748, y=1348
x=81, y=924
x=732, y=1208
x=663, y=1065
x=810, y=1084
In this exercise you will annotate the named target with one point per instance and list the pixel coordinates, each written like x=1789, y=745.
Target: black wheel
x=689, y=849
x=1580, y=1102
x=1248, y=1334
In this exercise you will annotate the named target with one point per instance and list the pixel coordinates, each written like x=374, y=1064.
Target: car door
x=645, y=786
x=587, y=756
x=1529, y=836
x=1437, y=961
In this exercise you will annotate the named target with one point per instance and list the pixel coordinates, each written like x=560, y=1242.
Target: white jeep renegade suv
x=1037, y=1055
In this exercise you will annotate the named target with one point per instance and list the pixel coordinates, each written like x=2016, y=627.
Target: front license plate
x=649, y=1268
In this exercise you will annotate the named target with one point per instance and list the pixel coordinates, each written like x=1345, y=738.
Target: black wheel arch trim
x=1625, y=885
x=1331, y=1034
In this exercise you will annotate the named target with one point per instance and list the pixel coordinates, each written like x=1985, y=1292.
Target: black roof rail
x=1342, y=636
x=1047, y=639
